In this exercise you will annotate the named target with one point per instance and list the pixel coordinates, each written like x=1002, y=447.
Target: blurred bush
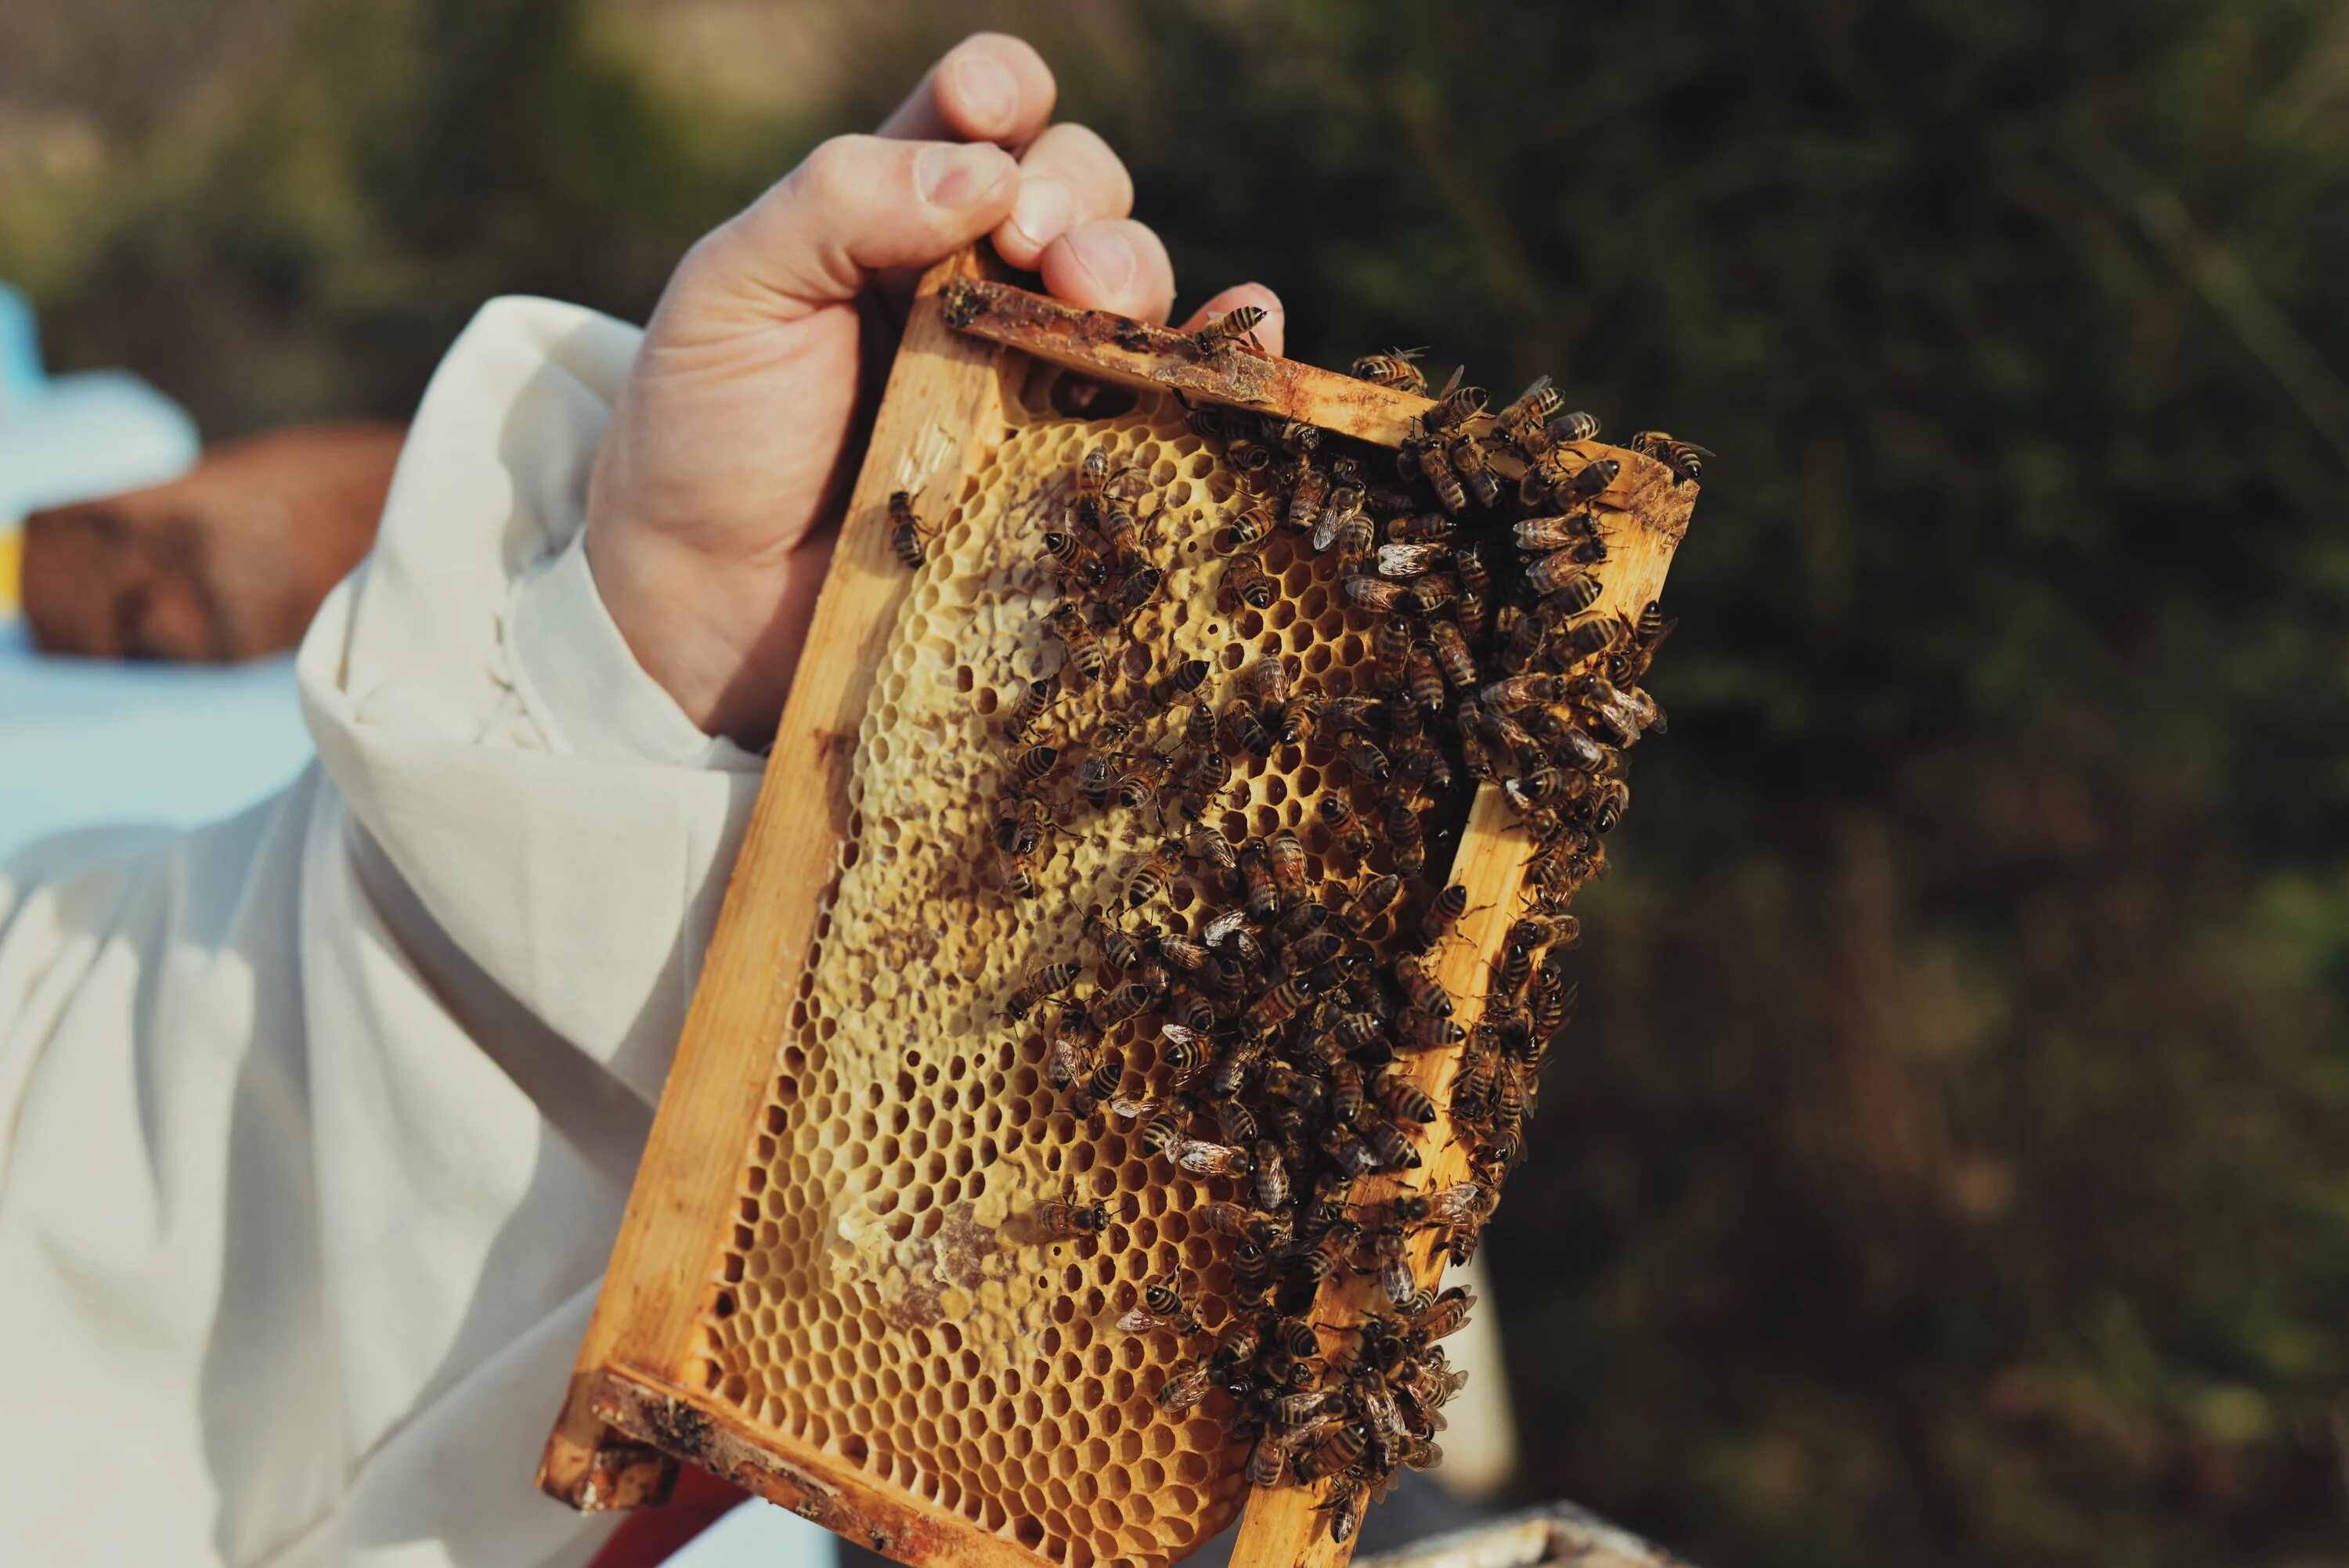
x=1950, y=1166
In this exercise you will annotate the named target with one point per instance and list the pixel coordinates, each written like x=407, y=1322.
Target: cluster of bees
x=1289, y=1008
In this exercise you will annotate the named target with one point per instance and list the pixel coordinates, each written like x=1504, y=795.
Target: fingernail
x=988, y=91
x=1106, y=257
x=1043, y=212
x=957, y=176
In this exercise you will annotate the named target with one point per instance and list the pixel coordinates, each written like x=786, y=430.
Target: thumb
x=855, y=205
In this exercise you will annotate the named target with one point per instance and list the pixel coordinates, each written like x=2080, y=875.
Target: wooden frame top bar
x=1158, y=359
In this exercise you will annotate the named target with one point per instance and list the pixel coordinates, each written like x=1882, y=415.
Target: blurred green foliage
x=1950, y=1166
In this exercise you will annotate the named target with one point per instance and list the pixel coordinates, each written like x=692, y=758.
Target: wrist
x=722, y=637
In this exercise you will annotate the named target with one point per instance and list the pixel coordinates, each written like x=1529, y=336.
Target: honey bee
x=1294, y=724
x=1197, y=1157
x=1406, y=560
x=1148, y=880
x=1233, y=329
x=1455, y=407
x=1444, y=1317
x=1406, y=1100
x=1559, y=571
x=1187, y=1051
x=1240, y=1221
x=1177, y=684
x=1248, y=582
x=1574, y=595
x=1109, y=1009
x=1344, y=1507
x=1033, y=766
x=1017, y=874
x=1074, y=561
x=1092, y=482
x=1101, y=1084
x=1393, y=368
x=1085, y=651
x=1419, y=528
x=1186, y=1386
x=1451, y=655
x=907, y=534
x=1292, y=436
x=1262, y=888
x=1523, y=691
x=1476, y=590
x=1576, y=425
x=1558, y=532
x=1431, y=591
x=1229, y=931
x=1607, y=801
x=1522, y=423
x=1267, y=1459
x=1342, y=508
x=1420, y=1029
x=1249, y=525
x=1424, y=683
x=1406, y=843
x=1284, y=858
x=1140, y=779
x=1366, y=759
x=1204, y=843
x=1465, y=453
x=1374, y=899
x=1019, y=824
x=1593, y=477
x=1376, y=593
x=1045, y=980
x=1027, y=710
x=1271, y=1178
x=1684, y=458
x=1472, y=1088
x=1390, y=654
x=1350, y=837
x=1186, y=953
x=1063, y=1061
x=1275, y=1008
x=1417, y=978
x=1443, y=912
x=1063, y=1219
x=1316, y=948
x=1248, y=457
x=1235, y=1123
x=1425, y=454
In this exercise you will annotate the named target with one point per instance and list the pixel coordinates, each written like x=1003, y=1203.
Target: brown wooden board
x=745, y=1134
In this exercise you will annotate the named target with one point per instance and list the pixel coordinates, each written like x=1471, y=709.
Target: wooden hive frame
x=633, y=1405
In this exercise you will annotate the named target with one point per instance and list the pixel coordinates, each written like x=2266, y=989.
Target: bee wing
x=1540, y=385
x=1407, y=560
x=1222, y=926
x=1131, y=1110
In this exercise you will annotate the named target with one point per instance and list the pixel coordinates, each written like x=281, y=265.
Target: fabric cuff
x=581, y=682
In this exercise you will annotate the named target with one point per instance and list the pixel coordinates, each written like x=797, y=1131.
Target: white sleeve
x=314, y=1125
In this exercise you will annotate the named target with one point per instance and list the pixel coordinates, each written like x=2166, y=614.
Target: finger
x=1114, y=264
x=1067, y=177
x=991, y=86
x=857, y=204
x=1272, y=331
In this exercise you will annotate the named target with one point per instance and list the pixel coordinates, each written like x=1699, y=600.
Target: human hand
x=718, y=488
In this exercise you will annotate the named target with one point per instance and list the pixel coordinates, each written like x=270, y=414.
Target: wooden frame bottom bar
x=822, y=1491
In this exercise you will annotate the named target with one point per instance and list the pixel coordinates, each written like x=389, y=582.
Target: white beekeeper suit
x=315, y=1125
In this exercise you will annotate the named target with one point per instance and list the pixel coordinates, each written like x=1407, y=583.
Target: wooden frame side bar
x=942, y=392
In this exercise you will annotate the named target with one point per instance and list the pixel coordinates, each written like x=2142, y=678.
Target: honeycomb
x=890, y=1295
